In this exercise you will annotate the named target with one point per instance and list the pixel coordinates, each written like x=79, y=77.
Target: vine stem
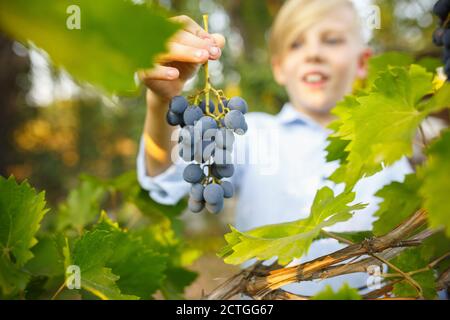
x=422, y=136
x=405, y=275
x=206, y=66
x=336, y=237
x=260, y=280
x=60, y=289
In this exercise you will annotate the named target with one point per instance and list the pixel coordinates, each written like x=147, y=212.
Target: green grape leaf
x=82, y=206
x=337, y=147
x=21, y=211
x=429, y=63
x=412, y=260
x=382, y=128
x=141, y=269
x=344, y=293
x=48, y=258
x=102, y=283
x=400, y=200
x=176, y=280
x=439, y=101
x=162, y=238
x=292, y=239
x=12, y=278
x=436, y=183
x=434, y=249
x=115, y=38
x=382, y=62
x=91, y=253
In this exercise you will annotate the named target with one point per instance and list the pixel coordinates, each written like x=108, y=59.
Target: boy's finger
x=159, y=72
x=188, y=39
x=191, y=26
x=219, y=40
x=182, y=53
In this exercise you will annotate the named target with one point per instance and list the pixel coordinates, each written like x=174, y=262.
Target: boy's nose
x=314, y=53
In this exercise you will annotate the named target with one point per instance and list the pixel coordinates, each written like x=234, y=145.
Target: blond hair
x=295, y=16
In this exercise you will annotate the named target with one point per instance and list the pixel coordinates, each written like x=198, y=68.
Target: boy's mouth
x=315, y=79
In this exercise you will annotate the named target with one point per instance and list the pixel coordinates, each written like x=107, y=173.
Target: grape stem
x=215, y=114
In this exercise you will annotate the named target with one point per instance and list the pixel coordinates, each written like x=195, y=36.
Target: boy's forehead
x=340, y=20
x=299, y=18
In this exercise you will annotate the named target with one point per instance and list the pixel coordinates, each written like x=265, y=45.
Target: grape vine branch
x=264, y=282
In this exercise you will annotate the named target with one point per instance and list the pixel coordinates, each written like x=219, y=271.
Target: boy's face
x=320, y=67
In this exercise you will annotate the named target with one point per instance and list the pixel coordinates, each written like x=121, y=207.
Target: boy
x=317, y=52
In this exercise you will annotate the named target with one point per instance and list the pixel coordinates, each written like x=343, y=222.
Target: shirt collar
x=288, y=115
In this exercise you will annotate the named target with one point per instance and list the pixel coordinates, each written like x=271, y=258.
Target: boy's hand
x=187, y=50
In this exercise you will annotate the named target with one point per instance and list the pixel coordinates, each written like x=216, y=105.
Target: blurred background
x=52, y=129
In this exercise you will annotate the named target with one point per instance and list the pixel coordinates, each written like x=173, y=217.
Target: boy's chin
x=319, y=107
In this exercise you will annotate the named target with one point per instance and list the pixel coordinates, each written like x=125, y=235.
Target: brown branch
x=281, y=294
x=380, y=292
x=259, y=284
x=406, y=276
x=281, y=277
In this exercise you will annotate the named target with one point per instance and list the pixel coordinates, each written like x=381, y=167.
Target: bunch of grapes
x=206, y=140
x=441, y=36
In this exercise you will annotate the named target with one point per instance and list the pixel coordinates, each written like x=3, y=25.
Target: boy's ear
x=277, y=70
x=363, y=63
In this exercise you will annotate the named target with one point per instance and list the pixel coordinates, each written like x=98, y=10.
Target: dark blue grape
x=225, y=102
x=187, y=136
x=437, y=37
x=234, y=120
x=228, y=189
x=174, y=119
x=243, y=129
x=196, y=192
x=210, y=135
x=193, y=173
x=447, y=68
x=441, y=9
x=446, y=54
x=192, y=115
x=446, y=39
x=224, y=139
x=214, y=208
x=205, y=123
x=186, y=152
x=222, y=170
x=213, y=194
x=222, y=156
x=204, y=150
x=195, y=206
x=178, y=104
x=202, y=106
x=237, y=103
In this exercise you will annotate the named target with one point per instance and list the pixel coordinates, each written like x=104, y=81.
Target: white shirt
x=284, y=167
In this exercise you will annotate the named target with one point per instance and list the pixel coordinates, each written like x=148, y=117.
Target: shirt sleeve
x=167, y=188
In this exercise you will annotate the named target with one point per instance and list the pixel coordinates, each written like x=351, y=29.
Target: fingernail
x=171, y=73
x=214, y=51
